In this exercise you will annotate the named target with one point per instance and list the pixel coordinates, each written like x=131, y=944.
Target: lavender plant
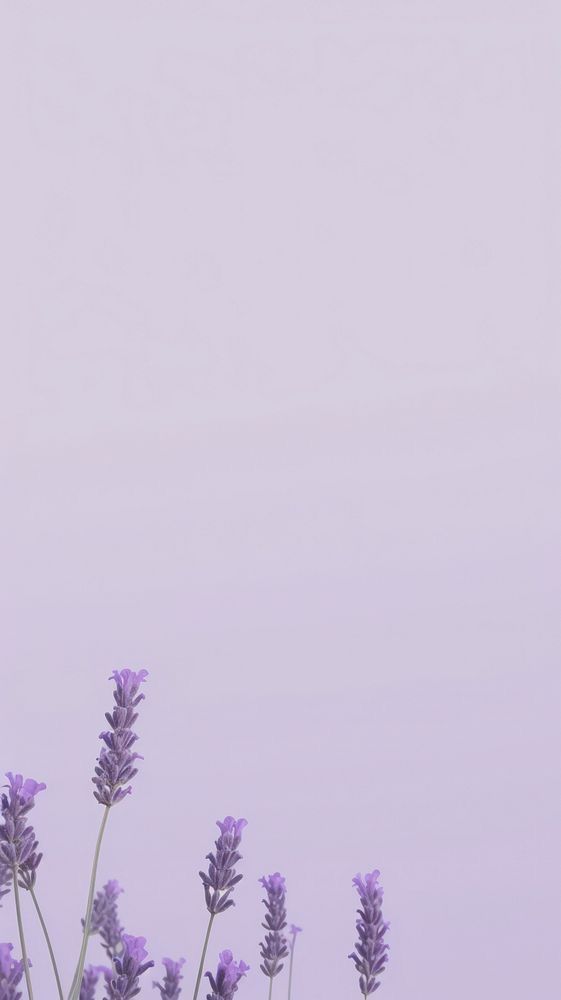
x=293, y=932
x=371, y=951
x=127, y=955
x=274, y=947
x=169, y=987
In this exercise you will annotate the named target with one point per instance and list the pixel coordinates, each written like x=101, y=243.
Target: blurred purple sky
x=280, y=408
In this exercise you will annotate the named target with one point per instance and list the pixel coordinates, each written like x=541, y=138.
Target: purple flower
x=225, y=983
x=90, y=980
x=11, y=973
x=18, y=846
x=293, y=930
x=371, y=951
x=105, y=918
x=274, y=947
x=169, y=987
x=116, y=761
x=5, y=879
x=221, y=878
x=129, y=966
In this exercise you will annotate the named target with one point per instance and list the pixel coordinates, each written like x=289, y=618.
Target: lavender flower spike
x=11, y=974
x=169, y=987
x=129, y=967
x=105, y=918
x=274, y=947
x=221, y=878
x=18, y=846
x=225, y=983
x=116, y=761
x=371, y=951
x=90, y=980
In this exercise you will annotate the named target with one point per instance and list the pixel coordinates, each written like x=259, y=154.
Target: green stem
x=203, y=956
x=76, y=982
x=22, y=935
x=49, y=945
x=270, y=987
x=290, y=969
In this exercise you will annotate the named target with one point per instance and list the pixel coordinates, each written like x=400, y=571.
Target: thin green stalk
x=22, y=936
x=203, y=956
x=76, y=982
x=290, y=969
x=270, y=987
x=49, y=945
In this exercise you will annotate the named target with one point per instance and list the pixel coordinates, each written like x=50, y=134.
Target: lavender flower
x=18, y=846
x=221, y=878
x=116, y=761
x=5, y=879
x=169, y=987
x=274, y=947
x=225, y=983
x=371, y=951
x=105, y=918
x=11, y=974
x=293, y=930
x=129, y=967
x=90, y=980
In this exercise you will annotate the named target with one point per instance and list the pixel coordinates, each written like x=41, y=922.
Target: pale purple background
x=280, y=402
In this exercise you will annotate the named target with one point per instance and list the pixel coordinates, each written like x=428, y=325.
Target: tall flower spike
x=169, y=987
x=221, y=878
x=129, y=967
x=11, y=974
x=105, y=918
x=116, y=764
x=225, y=983
x=90, y=980
x=371, y=951
x=274, y=947
x=18, y=846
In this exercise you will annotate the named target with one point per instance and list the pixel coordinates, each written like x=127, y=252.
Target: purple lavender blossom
x=371, y=951
x=225, y=983
x=90, y=980
x=129, y=966
x=169, y=987
x=293, y=931
x=5, y=879
x=105, y=918
x=221, y=878
x=11, y=973
x=274, y=948
x=116, y=761
x=18, y=846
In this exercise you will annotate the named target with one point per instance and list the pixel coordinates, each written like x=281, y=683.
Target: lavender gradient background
x=280, y=404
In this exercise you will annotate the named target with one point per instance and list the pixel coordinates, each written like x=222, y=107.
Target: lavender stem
x=48, y=940
x=22, y=935
x=203, y=956
x=75, y=988
x=270, y=987
x=291, y=963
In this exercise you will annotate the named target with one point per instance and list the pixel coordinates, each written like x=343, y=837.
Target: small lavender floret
x=116, y=762
x=169, y=987
x=105, y=918
x=11, y=973
x=293, y=931
x=129, y=967
x=371, y=951
x=5, y=879
x=274, y=947
x=221, y=878
x=225, y=983
x=18, y=845
x=90, y=980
